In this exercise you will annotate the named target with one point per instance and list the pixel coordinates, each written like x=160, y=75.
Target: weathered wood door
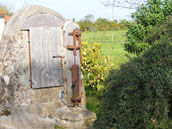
x=46, y=46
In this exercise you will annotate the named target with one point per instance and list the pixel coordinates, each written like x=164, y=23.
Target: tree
x=86, y=24
x=113, y=24
x=102, y=24
x=129, y=4
x=122, y=24
x=147, y=16
x=5, y=9
x=89, y=17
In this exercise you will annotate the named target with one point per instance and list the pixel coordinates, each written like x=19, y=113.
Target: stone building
x=35, y=73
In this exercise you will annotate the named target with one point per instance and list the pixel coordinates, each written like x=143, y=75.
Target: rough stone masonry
x=21, y=105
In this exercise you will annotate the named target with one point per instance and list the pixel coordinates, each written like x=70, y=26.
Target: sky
x=74, y=8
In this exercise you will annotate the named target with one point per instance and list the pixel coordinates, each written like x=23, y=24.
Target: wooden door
x=45, y=44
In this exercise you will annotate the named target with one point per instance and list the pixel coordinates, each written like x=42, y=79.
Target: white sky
x=74, y=8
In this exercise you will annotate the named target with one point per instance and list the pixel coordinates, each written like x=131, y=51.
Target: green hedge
x=140, y=93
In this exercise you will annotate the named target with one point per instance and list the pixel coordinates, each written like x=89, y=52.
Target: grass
x=58, y=127
x=93, y=104
x=116, y=52
x=112, y=47
x=104, y=36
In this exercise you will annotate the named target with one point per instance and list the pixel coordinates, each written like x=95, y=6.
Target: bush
x=139, y=95
x=93, y=59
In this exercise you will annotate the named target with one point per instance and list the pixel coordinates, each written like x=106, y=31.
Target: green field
x=112, y=44
x=104, y=36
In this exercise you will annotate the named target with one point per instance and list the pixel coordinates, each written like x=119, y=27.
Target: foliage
x=103, y=24
x=93, y=103
x=161, y=32
x=122, y=24
x=147, y=16
x=5, y=9
x=58, y=127
x=139, y=95
x=93, y=59
x=100, y=24
x=86, y=24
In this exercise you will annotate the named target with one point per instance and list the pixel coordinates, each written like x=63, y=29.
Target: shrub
x=93, y=59
x=139, y=95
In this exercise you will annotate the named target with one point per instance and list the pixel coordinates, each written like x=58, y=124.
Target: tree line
x=101, y=24
x=86, y=24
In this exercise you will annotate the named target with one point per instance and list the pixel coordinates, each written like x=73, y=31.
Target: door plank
x=46, y=70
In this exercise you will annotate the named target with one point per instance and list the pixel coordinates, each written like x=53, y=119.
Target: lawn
x=112, y=44
x=104, y=36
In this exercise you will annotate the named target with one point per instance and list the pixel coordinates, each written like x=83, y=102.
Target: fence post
x=112, y=37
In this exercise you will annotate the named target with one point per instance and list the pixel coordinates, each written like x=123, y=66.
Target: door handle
x=61, y=61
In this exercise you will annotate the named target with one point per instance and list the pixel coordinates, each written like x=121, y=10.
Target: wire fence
x=104, y=36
